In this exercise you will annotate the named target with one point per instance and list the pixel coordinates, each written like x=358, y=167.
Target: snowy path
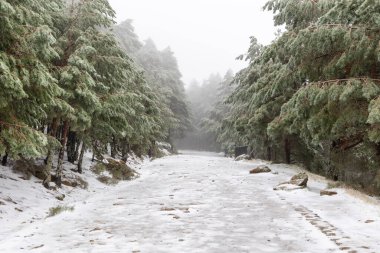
x=203, y=203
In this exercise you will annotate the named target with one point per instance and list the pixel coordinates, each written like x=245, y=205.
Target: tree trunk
x=62, y=153
x=71, y=146
x=4, y=161
x=113, y=147
x=151, y=151
x=50, y=155
x=269, y=153
x=287, y=150
x=77, y=146
x=97, y=151
x=80, y=160
x=124, y=150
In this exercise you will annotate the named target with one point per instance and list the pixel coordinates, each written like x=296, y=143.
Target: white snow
x=194, y=202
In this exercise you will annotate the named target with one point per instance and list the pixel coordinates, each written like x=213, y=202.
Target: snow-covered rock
x=71, y=179
x=260, y=169
x=242, y=157
x=287, y=187
x=298, y=181
x=164, y=145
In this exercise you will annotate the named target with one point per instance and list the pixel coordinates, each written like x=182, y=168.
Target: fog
x=206, y=36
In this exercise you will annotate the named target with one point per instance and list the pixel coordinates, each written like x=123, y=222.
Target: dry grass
x=362, y=196
x=59, y=209
x=333, y=184
x=107, y=180
x=118, y=171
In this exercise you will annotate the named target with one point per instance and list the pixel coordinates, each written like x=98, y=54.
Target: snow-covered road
x=198, y=202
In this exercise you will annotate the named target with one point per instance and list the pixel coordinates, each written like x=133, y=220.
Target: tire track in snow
x=334, y=234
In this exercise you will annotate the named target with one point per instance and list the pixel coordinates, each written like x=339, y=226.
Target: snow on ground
x=194, y=202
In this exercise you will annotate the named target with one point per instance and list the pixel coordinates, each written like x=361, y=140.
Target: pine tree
x=28, y=89
x=314, y=91
x=128, y=39
x=75, y=68
x=212, y=124
x=68, y=83
x=160, y=70
x=162, y=74
x=339, y=60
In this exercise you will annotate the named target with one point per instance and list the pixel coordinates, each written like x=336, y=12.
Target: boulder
x=298, y=181
x=29, y=168
x=72, y=180
x=328, y=193
x=260, y=169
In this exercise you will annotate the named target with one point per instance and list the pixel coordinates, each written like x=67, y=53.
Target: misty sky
x=205, y=35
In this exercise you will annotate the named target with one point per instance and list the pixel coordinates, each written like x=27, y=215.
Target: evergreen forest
x=148, y=126
x=312, y=96
x=73, y=80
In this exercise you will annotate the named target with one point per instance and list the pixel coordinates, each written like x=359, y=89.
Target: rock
x=164, y=145
x=287, y=187
x=72, y=180
x=260, y=169
x=52, y=187
x=60, y=197
x=298, y=181
x=242, y=157
x=29, y=168
x=327, y=193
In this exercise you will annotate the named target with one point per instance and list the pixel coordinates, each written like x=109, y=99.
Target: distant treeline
x=207, y=107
